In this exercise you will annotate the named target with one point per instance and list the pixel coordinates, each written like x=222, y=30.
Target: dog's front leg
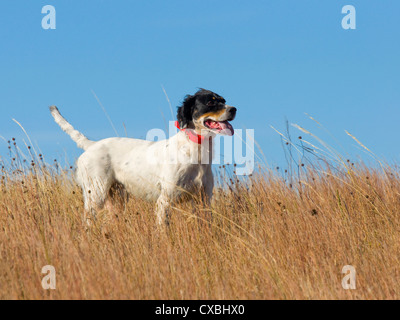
x=163, y=209
x=207, y=193
x=206, y=196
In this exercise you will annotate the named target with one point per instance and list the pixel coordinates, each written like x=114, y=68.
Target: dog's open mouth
x=221, y=127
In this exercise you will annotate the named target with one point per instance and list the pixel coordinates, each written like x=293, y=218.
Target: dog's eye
x=211, y=103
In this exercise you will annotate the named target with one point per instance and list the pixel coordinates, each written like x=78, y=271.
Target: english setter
x=162, y=171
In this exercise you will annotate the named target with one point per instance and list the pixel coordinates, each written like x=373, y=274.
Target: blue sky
x=273, y=60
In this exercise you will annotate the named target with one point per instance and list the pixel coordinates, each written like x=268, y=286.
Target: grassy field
x=274, y=235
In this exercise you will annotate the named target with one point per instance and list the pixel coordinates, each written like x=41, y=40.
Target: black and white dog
x=162, y=171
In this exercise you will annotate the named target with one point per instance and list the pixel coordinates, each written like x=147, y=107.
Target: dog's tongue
x=223, y=126
x=227, y=128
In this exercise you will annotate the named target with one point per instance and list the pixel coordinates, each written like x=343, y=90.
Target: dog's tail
x=82, y=141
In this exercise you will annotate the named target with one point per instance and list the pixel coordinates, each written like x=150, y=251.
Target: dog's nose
x=232, y=110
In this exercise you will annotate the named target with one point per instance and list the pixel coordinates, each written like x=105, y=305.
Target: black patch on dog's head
x=185, y=111
x=201, y=102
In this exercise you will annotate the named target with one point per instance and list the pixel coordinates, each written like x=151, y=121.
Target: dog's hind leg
x=163, y=209
x=95, y=193
x=95, y=177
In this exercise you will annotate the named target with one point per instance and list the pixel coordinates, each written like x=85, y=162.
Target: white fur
x=161, y=171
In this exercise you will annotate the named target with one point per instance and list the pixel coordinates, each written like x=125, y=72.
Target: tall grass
x=278, y=234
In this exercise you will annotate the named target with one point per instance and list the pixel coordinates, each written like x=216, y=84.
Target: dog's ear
x=185, y=111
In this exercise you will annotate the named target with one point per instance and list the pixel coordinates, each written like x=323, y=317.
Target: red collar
x=191, y=134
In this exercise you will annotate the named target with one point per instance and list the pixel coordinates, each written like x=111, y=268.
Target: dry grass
x=270, y=238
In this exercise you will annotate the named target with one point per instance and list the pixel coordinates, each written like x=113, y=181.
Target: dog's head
x=206, y=111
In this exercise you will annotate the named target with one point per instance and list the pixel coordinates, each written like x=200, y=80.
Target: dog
x=163, y=171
